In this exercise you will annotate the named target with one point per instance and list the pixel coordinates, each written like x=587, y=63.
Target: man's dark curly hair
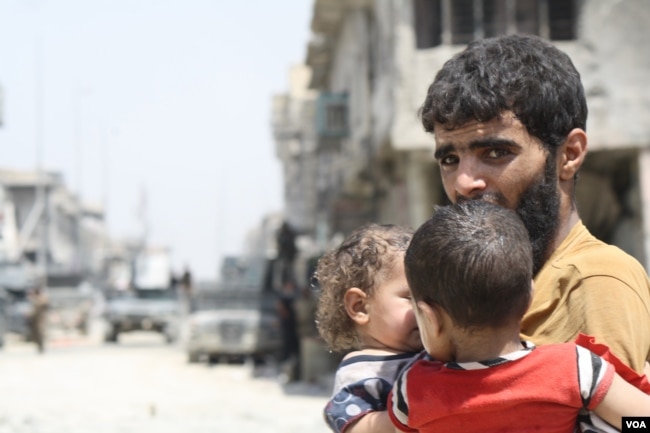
x=364, y=260
x=520, y=73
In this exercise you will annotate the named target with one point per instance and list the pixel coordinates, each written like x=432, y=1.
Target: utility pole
x=42, y=178
x=2, y=99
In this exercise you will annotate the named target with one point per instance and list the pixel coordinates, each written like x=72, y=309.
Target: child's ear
x=355, y=301
x=433, y=319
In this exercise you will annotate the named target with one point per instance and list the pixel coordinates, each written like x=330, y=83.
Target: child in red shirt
x=469, y=269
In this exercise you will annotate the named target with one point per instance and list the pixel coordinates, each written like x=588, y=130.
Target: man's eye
x=448, y=160
x=497, y=153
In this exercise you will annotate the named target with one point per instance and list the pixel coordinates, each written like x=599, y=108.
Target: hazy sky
x=169, y=97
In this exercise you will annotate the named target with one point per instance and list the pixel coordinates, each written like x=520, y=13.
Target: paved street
x=142, y=385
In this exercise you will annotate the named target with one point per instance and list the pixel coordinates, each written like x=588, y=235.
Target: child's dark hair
x=364, y=259
x=474, y=260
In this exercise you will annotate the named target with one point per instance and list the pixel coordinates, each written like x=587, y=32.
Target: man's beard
x=538, y=208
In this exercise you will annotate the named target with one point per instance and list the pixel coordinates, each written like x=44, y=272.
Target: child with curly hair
x=365, y=309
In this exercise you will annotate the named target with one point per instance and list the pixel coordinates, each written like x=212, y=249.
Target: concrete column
x=422, y=187
x=644, y=186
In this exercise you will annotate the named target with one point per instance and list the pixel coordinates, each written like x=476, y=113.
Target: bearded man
x=509, y=116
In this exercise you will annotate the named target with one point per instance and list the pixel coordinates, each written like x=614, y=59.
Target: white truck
x=150, y=304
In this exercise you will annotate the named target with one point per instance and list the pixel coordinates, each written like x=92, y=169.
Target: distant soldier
x=287, y=250
x=290, y=350
x=186, y=287
x=37, y=317
x=186, y=280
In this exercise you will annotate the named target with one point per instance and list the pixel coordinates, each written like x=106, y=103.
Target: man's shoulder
x=583, y=259
x=593, y=264
x=599, y=253
x=591, y=256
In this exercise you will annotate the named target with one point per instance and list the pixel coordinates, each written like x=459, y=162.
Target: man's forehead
x=472, y=127
x=506, y=125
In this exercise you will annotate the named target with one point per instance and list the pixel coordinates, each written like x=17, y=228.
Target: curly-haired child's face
x=392, y=323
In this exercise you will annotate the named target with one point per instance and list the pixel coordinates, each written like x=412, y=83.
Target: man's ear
x=433, y=319
x=355, y=301
x=573, y=152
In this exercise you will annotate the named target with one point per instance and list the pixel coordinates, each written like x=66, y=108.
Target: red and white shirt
x=534, y=389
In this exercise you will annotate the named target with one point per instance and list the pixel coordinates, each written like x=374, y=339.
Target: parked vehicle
x=234, y=325
x=16, y=279
x=70, y=300
x=3, y=317
x=18, y=310
x=237, y=320
x=150, y=309
x=152, y=304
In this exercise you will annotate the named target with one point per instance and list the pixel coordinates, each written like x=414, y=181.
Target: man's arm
x=617, y=316
x=622, y=399
x=373, y=422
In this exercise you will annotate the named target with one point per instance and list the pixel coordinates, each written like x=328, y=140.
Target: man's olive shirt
x=590, y=287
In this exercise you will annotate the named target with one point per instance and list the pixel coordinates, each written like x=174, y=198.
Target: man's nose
x=469, y=181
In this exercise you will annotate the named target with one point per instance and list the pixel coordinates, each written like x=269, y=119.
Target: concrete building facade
x=293, y=124
x=372, y=60
x=46, y=225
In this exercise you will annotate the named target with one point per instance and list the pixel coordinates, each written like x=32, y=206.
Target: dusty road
x=142, y=385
